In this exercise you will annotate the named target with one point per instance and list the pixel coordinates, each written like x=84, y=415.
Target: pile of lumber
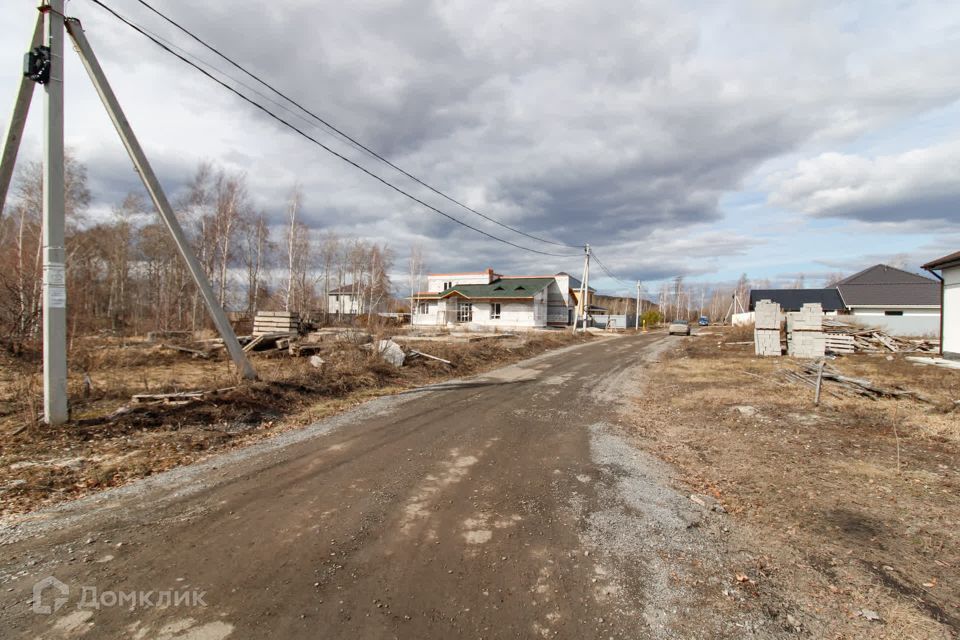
x=844, y=385
x=270, y=322
x=842, y=337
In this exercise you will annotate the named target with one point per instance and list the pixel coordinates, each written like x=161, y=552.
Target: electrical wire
x=347, y=137
x=326, y=148
x=606, y=270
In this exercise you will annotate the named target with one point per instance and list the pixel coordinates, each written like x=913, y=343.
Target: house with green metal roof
x=486, y=300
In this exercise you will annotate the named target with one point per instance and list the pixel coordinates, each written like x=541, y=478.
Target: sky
x=696, y=139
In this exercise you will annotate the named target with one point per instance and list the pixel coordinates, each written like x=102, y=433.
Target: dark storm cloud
x=616, y=123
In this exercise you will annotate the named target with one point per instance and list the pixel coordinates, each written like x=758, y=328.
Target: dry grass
x=820, y=499
x=42, y=465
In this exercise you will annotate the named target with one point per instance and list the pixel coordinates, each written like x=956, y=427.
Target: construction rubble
x=810, y=334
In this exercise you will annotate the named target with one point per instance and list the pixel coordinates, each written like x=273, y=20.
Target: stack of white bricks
x=766, y=332
x=805, y=338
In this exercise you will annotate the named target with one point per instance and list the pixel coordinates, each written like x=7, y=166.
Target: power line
x=347, y=137
x=317, y=142
x=607, y=271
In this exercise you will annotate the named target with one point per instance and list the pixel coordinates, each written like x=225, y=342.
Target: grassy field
x=847, y=511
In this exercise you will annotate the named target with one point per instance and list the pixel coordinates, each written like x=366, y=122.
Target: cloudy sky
x=702, y=139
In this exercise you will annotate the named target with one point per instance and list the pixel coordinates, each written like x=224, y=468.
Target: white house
x=346, y=300
x=485, y=300
x=900, y=302
x=949, y=268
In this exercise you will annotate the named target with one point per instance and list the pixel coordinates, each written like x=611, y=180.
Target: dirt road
x=503, y=506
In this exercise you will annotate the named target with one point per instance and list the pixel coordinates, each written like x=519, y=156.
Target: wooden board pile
x=805, y=337
x=270, y=322
x=845, y=385
x=842, y=337
x=766, y=332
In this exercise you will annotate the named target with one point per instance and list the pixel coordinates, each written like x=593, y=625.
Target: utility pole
x=54, y=203
x=637, y=319
x=584, y=289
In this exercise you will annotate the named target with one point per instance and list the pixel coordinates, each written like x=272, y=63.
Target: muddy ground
x=41, y=465
x=846, y=514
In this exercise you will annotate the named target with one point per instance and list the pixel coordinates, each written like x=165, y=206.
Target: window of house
x=893, y=313
x=495, y=311
x=447, y=285
x=464, y=312
x=423, y=308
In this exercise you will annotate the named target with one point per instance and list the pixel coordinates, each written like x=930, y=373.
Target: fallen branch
x=427, y=355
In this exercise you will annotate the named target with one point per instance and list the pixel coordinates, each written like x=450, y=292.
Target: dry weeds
x=41, y=465
x=829, y=525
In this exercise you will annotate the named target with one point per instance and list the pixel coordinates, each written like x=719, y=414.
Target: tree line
x=125, y=275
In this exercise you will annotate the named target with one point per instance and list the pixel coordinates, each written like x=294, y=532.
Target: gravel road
x=508, y=505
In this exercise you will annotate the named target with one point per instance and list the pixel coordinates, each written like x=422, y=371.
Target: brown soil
x=41, y=465
x=845, y=510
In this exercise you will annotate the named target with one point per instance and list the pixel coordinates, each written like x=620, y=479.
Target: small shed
x=949, y=276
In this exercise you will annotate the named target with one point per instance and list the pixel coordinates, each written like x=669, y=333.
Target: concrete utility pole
x=582, y=301
x=159, y=198
x=54, y=203
x=637, y=319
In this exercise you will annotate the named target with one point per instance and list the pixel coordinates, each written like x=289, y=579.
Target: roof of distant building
x=794, y=299
x=883, y=285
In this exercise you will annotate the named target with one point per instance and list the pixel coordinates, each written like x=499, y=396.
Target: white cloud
x=921, y=184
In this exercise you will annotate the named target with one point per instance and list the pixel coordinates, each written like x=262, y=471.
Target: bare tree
x=296, y=247
x=256, y=250
x=415, y=272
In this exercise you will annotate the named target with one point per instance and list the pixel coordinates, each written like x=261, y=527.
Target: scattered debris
x=266, y=341
x=847, y=338
x=196, y=353
x=810, y=373
x=745, y=410
x=300, y=349
x=869, y=614
x=707, y=502
x=391, y=352
x=317, y=362
x=179, y=397
x=153, y=336
x=414, y=352
x=939, y=362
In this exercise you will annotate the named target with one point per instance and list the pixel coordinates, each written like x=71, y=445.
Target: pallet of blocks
x=766, y=332
x=267, y=322
x=805, y=338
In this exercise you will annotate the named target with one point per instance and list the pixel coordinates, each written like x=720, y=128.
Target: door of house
x=464, y=312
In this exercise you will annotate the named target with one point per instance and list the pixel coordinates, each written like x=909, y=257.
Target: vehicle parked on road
x=679, y=328
x=704, y=321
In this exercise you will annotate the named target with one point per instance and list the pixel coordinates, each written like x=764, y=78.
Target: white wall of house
x=951, y=312
x=899, y=321
x=345, y=303
x=514, y=314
